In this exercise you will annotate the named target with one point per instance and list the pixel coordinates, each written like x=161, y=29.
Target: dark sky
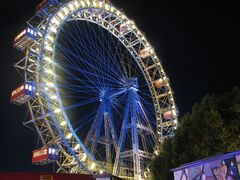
x=198, y=44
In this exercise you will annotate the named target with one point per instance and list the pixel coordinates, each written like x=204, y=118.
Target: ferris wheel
x=95, y=88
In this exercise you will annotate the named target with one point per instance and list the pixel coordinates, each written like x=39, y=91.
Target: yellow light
x=148, y=47
x=47, y=58
x=49, y=48
x=100, y=4
x=101, y=171
x=145, y=174
x=77, y=147
x=123, y=17
x=156, y=152
x=76, y=4
x=84, y=157
x=131, y=22
x=57, y=111
x=65, y=10
x=88, y=3
x=71, y=7
x=107, y=7
x=49, y=84
x=63, y=123
x=94, y=4
x=43, y=27
x=60, y=14
x=175, y=121
x=39, y=34
x=92, y=166
x=118, y=13
x=53, y=29
x=83, y=4
x=53, y=97
x=49, y=71
x=54, y=20
x=112, y=9
x=69, y=135
x=174, y=113
x=46, y=43
x=50, y=38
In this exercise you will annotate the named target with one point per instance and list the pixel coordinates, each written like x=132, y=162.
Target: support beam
x=103, y=130
x=108, y=146
x=135, y=124
x=135, y=141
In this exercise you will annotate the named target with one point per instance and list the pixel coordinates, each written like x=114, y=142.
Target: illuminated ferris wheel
x=96, y=91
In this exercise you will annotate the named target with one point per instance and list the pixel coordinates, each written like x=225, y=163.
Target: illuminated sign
x=40, y=155
x=18, y=90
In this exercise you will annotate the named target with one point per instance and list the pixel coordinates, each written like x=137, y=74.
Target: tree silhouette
x=211, y=128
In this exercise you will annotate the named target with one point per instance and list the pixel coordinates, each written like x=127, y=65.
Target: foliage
x=211, y=128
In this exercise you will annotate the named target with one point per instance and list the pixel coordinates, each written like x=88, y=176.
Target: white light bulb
x=47, y=58
x=53, y=29
x=57, y=111
x=92, y=166
x=53, y=97
x=84, y=157
x=63, y=123
x=49, y=71
x=49, y=84
x=49, y=48
x=77, y=147
x=69, y=136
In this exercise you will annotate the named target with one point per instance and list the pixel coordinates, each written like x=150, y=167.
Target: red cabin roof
x=24, y=93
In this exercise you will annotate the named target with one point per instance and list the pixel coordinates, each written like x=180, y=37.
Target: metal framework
x=126, y=151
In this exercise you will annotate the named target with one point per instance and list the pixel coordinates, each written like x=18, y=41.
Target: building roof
x=206, y=160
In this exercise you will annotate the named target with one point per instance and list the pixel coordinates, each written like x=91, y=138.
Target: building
x=221, y=167
x=53, y=176
x=43, y=176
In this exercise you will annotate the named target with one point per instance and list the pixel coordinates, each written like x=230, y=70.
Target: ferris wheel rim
x=50, y=21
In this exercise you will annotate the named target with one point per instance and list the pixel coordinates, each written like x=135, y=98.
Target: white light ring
x=54, y=30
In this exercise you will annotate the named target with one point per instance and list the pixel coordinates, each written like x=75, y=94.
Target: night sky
x=197, y=43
